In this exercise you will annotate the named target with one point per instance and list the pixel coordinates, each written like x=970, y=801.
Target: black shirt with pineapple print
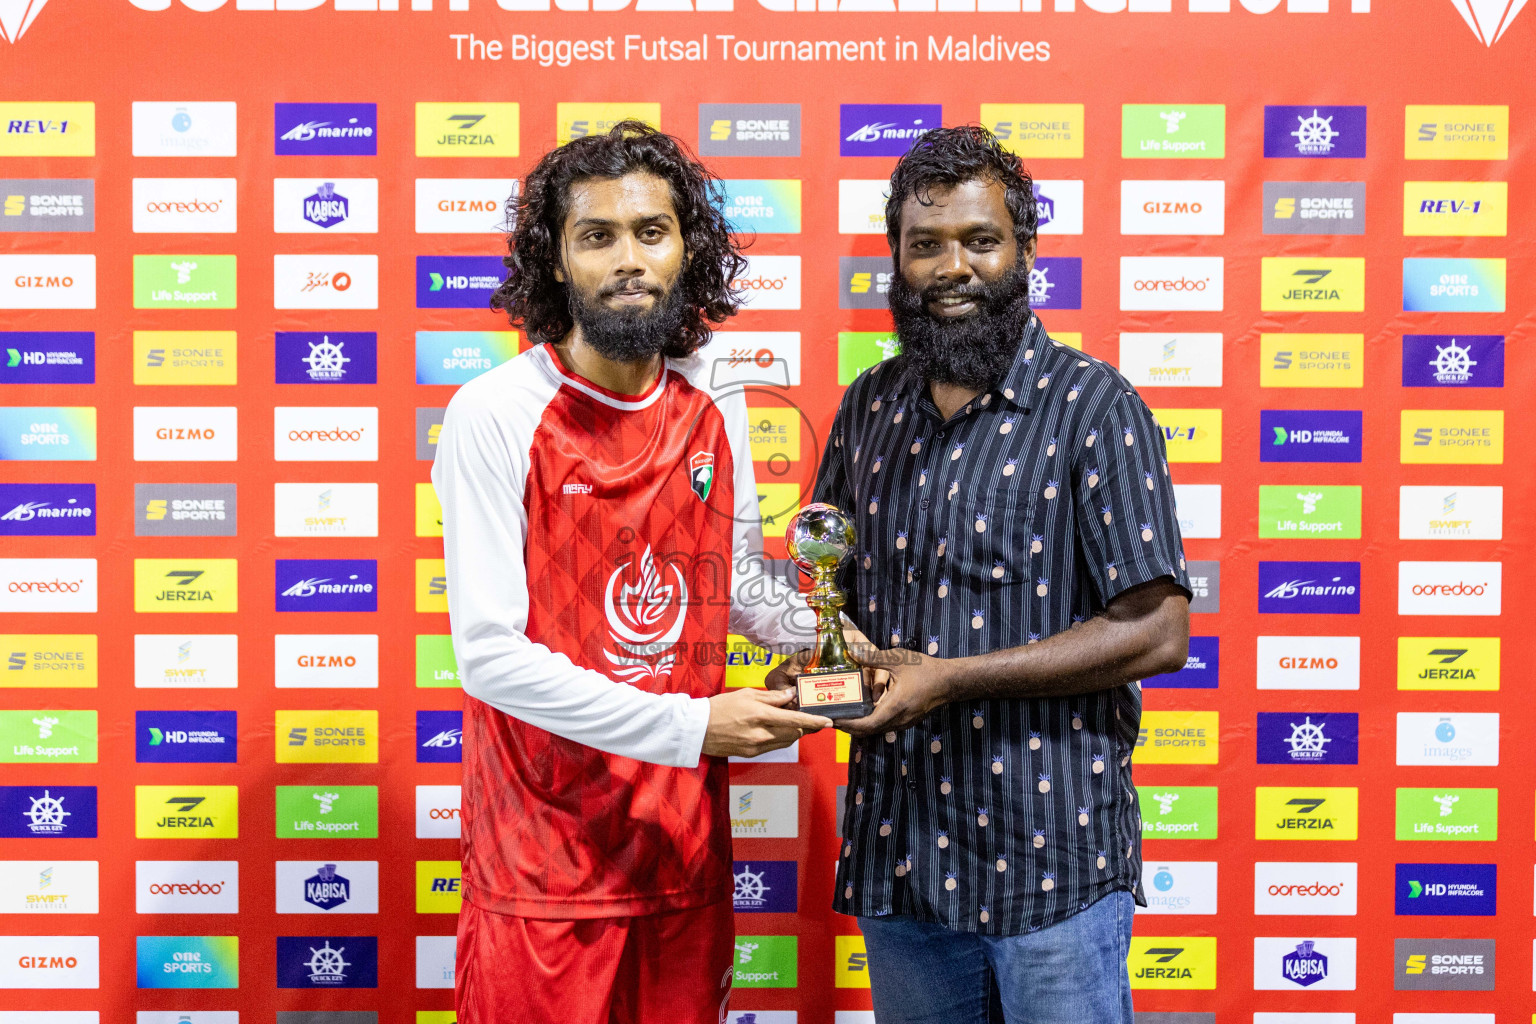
x=1029, y=510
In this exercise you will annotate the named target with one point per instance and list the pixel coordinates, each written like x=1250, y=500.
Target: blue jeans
x=1070, y=973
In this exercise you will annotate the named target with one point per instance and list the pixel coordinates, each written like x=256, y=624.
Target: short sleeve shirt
x=1027, y=511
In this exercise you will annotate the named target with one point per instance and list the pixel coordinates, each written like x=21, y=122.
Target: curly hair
x=946, y=157
x=539, y=303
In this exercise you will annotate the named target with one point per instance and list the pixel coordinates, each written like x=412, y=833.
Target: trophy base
x=835, y=695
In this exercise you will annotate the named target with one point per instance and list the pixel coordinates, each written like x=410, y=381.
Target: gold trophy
x=820, y=538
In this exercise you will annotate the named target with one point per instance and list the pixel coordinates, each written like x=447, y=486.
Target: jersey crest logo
x=701, y=473
x=645, y=620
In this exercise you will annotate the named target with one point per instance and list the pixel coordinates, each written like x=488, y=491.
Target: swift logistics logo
x=326, y=129
x=1310, y=435
x=439, y=737
x=1450, y=513
x=186, y=585
x=1450, y=890
x=1315, y=588
x=50, y=887
x=1314, y=207
x=1314, y=131
x=327, y=585
x=325, y=510
x=186, y=661
x=884, y=129
x=1308, y=738
x=1453, y=361
x=457, y=282
x=1310, y=812
x=1457, y=663
x=1182, y=962
x=1440, y=815
x=47, y=510
x=185, y=737
x=467, y=129
x=47, y=357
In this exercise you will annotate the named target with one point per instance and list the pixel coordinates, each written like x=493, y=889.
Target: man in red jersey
x=600, y=527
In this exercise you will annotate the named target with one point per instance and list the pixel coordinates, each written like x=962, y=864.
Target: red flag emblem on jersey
x=701, y=473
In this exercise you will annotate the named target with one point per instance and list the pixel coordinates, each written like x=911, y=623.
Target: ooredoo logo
x=1171, y=283
x=204, y=205
x=1291, y=887
x=437, y=812
x=47, y=585
x=1450, y=588
x=326, y=433
x=770, y=282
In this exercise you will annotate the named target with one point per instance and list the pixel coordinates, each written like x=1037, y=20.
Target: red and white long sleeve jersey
x=596, y=548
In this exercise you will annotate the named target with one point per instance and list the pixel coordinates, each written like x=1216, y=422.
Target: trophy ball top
x=819, y=536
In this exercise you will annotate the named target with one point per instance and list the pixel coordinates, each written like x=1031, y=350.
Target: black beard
x=973, y=352
x=630, y=335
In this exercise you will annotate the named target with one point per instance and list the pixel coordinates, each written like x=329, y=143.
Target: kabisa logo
x=1309, y=435
x=327, y=585
x=749, y=129
x=329, y=129
x=47, y=204
x=1286, y=738
x=16, y=16
x=326, y=207
x=185, y=737
x=457, y=282
x=48, y=812
x=331, y=961
x=1453, y=361
x=1201, y=671
x=47, y=357
x=329, y=357
x=47, y=510
x=766, y=886
x=1488, y=19
x=1304, y=965
x=440, y=736
x=1317, y=588
x=1056, y=283
x=326, y=889
x=645, y=618
x=1452, y=890
x=885, y=129
x=1314, y=131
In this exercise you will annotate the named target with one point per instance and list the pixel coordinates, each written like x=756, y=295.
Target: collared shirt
x=1027, y=511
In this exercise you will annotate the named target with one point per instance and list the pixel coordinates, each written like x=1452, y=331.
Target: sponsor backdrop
x=247, y=251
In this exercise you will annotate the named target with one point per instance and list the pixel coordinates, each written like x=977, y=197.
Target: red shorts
x=671, y=968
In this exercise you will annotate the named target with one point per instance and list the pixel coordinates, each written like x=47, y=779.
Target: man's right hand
x=748, y=722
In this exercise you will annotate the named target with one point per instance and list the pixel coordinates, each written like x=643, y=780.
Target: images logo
x=458, y=357
x=1333, y=132
x=330, y=357
x=749, y=129
x=310, y=812
x=1306, y=813
x=48, y=812
x=766, y=206
x=1309, y=511
x=457, y=282
x=884, y=129
x=185, y=737
x=1314, y=207
x=327, y=585
x=185, y=585
x=1453, y=361
x=1312, y=284
x=467, y=129
x=1450, y=890
x=1043, y=130
x=184, y=129
x=1178, y=812
x=1309, y=435
x=1288, y=738
x=47, y=510
x=1461, y=815
x=44, y=129
x=1465, y=965
x=439, y=737
x=317, y=206
x=766, y=886
x=1183, y=962
x=1056, y=283
x=1447, y=663
x=1316, y=588
x=47, y=204
x=188, y=961
x=1181, y=887
x=1201, y=669
x=1456, y=132
x=190, y=812
x=766, y=961
x=1173, y=131
x=332, y=961
x=1453, y=285
x=326, y=129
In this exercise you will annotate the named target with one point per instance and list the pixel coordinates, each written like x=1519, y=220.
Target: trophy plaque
x=820, y=538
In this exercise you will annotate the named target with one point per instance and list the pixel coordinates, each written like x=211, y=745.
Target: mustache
x=934, y=292
x=627, y=287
